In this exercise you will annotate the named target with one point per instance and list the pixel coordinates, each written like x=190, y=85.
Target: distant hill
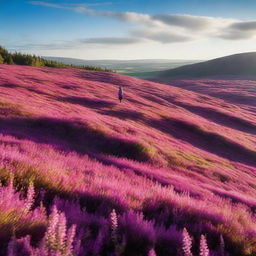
x=243, y=64
x=138, y=68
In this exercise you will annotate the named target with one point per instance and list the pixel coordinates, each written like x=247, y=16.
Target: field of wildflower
x=169, y=171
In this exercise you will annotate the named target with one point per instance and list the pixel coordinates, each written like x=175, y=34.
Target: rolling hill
x=82, y=174
x=243, y=64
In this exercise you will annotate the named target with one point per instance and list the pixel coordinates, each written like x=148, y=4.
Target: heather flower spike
x=70, y=237
x=204, y=251
x=30, y=197
x=61, y=232
x=114, y=221
x=11, y=181
x=114, y=225
x=186, y=243
x=52, y=228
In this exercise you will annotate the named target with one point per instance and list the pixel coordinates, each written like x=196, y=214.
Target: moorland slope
x=86, y=175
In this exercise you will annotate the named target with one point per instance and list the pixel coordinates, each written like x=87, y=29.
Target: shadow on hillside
x=205, y=140
x=124, y=114
x=87, y=102
x=38, y=91
x=228, y=96
x=38, y=80
x=104, y=77
x=235, y=98
x=101, y=204
x=69, y=87
x=156, y=99
x=72, y=136
x=6, y=85
x=220, y=117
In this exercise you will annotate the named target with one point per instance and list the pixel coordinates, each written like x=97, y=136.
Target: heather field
x=169, y=171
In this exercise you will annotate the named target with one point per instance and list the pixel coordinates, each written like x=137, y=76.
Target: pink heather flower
x=11, y=180
x=42, y=209
x=186, y=243
x=152, y=252
x=52, y=226
x=204, y=251
x=30, y=197
x=70, y=238
x=58, y=240
x=61, y=232
x=114, y=221
x=114, y=225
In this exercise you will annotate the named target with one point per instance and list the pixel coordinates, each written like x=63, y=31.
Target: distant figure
x=120, y=93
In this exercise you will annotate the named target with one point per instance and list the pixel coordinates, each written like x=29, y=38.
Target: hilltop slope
x=243, y=64
x=165, y=158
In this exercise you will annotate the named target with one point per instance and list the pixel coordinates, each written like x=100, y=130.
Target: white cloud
x=111, y=40
x=162, y=36
x=41, y=3
x=78, y=44
x=166, y=28
x=185, y=21
x=244, y=26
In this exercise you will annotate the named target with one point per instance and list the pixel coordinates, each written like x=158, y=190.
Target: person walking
x=120, y=93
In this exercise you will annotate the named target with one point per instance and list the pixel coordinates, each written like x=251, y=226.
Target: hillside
x=243, y=64
x=86, y=175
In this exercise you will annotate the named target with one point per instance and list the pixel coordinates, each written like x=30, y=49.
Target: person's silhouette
x=120, y=93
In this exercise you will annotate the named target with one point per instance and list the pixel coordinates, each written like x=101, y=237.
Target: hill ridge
x=237, y=64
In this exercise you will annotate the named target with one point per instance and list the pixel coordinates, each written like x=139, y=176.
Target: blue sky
x=145, y=29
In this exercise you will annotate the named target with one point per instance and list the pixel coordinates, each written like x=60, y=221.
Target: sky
x=131, y=29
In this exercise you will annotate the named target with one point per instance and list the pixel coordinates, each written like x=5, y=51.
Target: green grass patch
x=183, y=159
x=8, y=109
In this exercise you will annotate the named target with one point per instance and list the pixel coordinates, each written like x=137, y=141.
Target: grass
x=8, y=109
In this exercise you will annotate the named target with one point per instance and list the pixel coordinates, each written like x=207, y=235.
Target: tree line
x=18, y=58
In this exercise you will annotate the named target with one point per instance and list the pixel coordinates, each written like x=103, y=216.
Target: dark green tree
x=9, y=60
x=1, y=59
x=32, y=60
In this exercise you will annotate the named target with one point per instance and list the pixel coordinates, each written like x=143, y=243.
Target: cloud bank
x=164, y=28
